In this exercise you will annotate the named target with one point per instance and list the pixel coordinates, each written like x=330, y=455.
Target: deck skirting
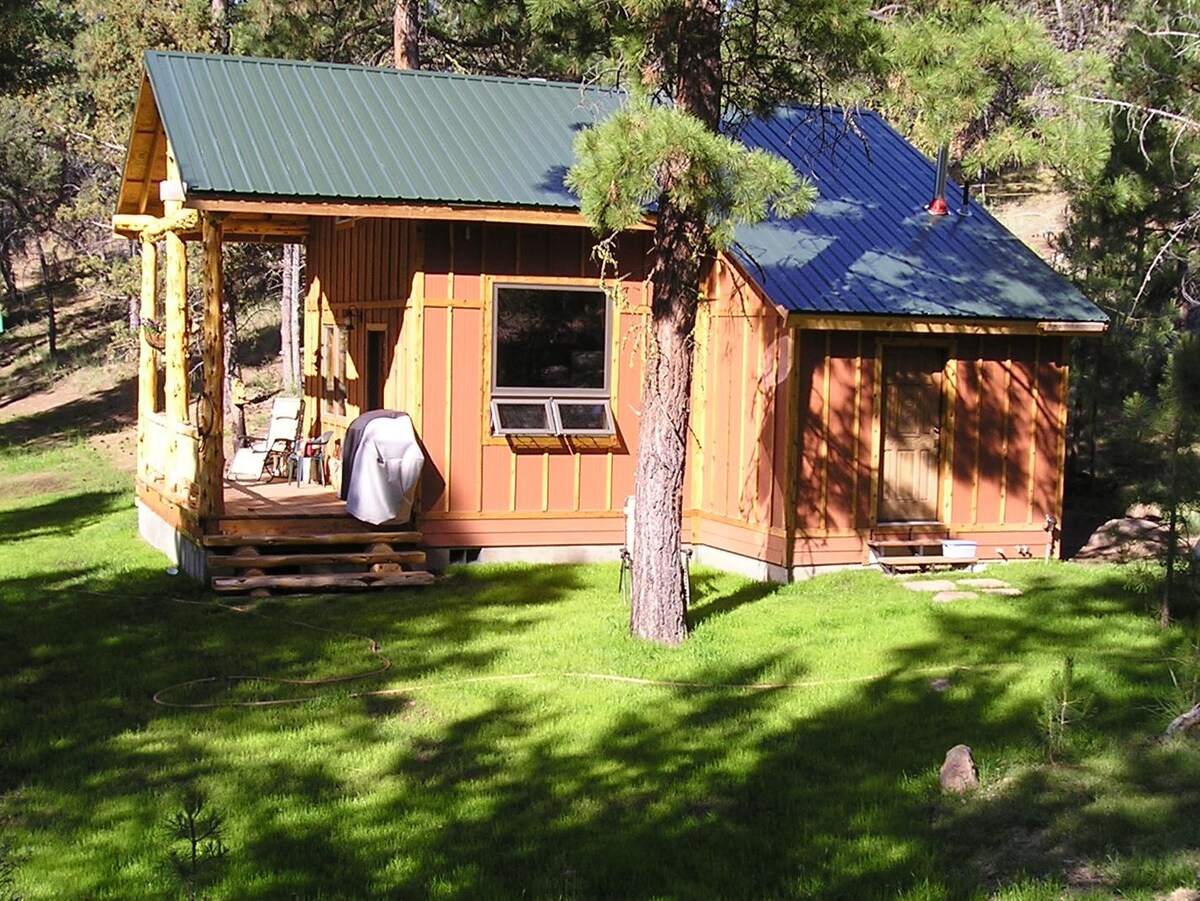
x=178, y=548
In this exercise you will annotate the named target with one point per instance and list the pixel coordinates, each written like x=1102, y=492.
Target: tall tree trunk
x=406, y=27
x=235, y=413
x=297, y=301
x=658, y=610
x=48, y=290
x=287, y=305
x=10, y=278
x=1164, y=613
x=659, y=595
x=220, y=25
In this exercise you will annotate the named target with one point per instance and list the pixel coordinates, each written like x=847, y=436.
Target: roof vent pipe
x=937, y=206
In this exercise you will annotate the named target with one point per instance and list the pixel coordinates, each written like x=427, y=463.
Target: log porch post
x=147, y=355
x=211, y=412
x=176, y=314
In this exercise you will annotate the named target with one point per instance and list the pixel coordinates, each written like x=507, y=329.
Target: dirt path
x=98, y=404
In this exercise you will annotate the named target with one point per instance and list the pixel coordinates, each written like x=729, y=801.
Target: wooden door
x=912, y=421
x=377, y=368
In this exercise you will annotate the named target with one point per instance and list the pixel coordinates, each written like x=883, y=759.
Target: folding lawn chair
x=267, y=457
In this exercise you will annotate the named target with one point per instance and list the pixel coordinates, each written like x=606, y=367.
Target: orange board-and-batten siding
x=740, y=415
x=786, y=429
x=1003, y=465
x=479, y=490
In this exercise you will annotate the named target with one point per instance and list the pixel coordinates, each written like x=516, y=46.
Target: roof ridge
x=386, y=71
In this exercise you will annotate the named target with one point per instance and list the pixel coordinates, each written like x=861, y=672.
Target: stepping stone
x=930, y=585
x=1007, y=591
x=948, y=597
x=982, y=583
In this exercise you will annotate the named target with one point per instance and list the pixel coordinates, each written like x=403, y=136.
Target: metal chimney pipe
x=937, y=206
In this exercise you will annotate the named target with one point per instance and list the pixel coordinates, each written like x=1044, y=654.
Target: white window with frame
x=550, y=361
x=333, y=369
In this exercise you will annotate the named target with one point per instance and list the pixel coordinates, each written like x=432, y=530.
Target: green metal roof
x=287, y=129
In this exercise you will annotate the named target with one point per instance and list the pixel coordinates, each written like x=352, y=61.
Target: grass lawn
x=521, y=745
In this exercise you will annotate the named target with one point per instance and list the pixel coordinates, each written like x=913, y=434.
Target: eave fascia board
x=342, y=209
x=922, y=325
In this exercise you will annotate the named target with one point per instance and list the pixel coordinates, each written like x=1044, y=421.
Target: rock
x=1184, y=721
x=958, y=773
x=949, y=597
x=1008, y=591
x=1144, y=511
x=930, y=585
x=1123, y=540
x=940, y=685
x=982, y=583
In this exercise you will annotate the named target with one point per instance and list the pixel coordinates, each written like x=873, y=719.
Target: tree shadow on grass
x=709, y=600
x=557, y=786
x=90, y=760
x=724, y=792
x=98, y=413
x=62, y=516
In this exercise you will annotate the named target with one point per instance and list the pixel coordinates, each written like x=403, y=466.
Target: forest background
x=1091, y=102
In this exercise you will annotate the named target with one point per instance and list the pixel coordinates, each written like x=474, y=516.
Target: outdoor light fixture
x=353, y=314
x=172, y=190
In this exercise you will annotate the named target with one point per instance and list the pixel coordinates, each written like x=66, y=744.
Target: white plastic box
x=959, y=549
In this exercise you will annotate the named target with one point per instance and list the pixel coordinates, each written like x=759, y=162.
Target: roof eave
x=393, y=209
x=946, y=325
x=136, y=196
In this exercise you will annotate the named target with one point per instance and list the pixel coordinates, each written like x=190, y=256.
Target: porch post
x=147, y=355
x=176, y=329
x=179, y=470
x=211, y=412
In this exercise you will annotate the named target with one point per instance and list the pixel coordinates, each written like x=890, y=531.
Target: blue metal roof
x=262, y=128
x=870, y=248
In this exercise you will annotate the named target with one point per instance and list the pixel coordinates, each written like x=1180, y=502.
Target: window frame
x=499, y=429
x=556, y=404
x=533, y=391
x=335, y=353
x=550, y=397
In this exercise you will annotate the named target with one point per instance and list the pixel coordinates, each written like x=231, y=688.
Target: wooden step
x=321, y=581
x=926, y=560
x=912, y=562
x=333, y=558
x=307, y=539
x=901, y=542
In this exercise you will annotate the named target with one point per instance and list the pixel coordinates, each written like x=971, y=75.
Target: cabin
x=873, y=381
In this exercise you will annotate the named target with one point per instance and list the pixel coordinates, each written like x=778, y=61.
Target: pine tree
x=989, y=82
x=1133, y=231
x=666, y=148
x=1158, y=453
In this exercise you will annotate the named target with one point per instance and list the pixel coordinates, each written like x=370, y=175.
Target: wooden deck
x=281, y=499
x=279, y=536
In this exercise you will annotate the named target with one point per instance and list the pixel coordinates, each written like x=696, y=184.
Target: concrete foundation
x=440, y=558
x=179, y=549
x=736, y=563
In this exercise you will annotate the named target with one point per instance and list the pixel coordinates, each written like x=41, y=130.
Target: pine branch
x=1151, y=112
x=1184, y=721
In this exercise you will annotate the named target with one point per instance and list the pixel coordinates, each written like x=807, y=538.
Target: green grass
x=496, y=759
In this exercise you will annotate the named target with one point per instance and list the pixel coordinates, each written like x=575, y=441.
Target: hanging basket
x=155, y=336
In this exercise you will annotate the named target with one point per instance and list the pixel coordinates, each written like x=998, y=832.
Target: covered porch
x=237, y=535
